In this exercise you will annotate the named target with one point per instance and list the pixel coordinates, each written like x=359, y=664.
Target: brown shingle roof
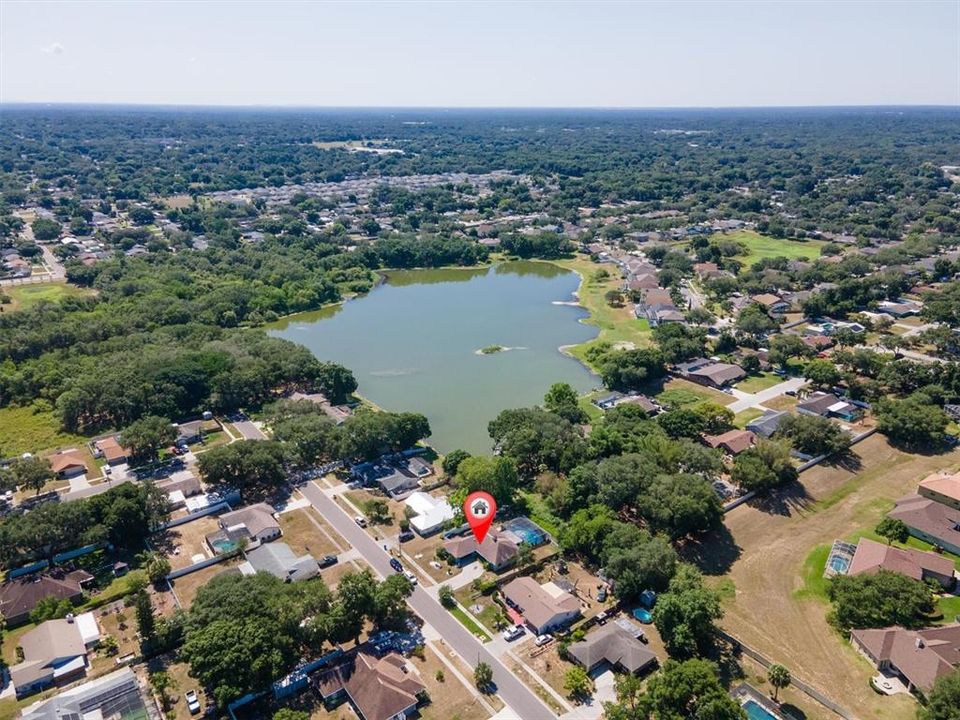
x=67, y=460
x=930, y=517
x=538, y=606
x=872, y=556
x=921, y=656
x=733, y=441
x=18, y=597
x=943, y=484
x=380, y=688
x=495, y=548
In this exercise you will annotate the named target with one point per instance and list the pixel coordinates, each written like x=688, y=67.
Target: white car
x=543, y=639
x=360, y=520
x=410, y=576
x=193, y=702
x=512, y=633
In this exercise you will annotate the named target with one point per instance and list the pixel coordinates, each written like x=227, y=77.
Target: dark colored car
x=406, y=535
x=395, y=564
x=327, y=560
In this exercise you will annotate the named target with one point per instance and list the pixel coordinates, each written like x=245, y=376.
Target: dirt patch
x=186, y=587
x=449, y=698
x=182, y=543
x=763, y=548
x=306, y=532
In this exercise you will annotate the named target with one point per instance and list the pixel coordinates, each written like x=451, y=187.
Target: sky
x=482, y=54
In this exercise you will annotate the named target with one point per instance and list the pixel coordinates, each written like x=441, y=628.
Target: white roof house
x=89, y=631
x=431, y=512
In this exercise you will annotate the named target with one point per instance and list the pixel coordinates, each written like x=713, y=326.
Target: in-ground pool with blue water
x=756, y=711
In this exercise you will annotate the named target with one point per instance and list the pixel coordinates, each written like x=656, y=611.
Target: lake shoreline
x=575, y=351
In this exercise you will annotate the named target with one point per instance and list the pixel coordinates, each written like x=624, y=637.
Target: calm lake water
x=412, y=343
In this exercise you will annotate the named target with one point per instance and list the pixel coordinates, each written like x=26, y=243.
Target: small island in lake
x=491, y=349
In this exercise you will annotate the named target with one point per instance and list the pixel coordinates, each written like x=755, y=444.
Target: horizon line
x=258, y=106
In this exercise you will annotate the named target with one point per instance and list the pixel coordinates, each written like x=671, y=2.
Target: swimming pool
x=756, y=711
x=839, y=564
x=642, y=615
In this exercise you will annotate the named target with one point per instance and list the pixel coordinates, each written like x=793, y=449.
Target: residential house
x=497, y=549
x=918, y=657
x=642, y=401
x=710, y=373
x=828, y=405
x=337, y=413
x=430, y=514
x=732, y=442
x=647, y=281
x=930, y=521
x=768, y=423
x=818, y=342
x=54, y=652
x=189, y=433
x=872, y=556
x=384, y=688
x=180, y=486
x=100, y=698
x=112, y=451
x=68, y=463
x=774, y=304
x=703, y=270
x=281, y=562
x=942, y=487
x=18, y=597
x=544, y=607
x=258, y=523
x=615, y=646
x=899, y=308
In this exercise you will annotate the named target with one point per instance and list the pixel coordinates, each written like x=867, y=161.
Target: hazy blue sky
x=482, y=54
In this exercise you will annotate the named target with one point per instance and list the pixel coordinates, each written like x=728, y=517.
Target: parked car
x=411, y=577
x=601, y=593
x=543, y=639
x=327, y=560
x=360, y=520
x=406, y=535
x=602, y=618
x=791, y=393
x=512, y=633
x=193, y=702
x=395, y=564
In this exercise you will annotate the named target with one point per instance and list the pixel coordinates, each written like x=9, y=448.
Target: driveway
x=522, y=702
x=749, y=400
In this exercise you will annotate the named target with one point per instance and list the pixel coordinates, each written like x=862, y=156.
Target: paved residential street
x=524, y=705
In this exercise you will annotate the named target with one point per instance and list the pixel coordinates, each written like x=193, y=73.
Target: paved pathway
x=523, y=703
x=749, y=400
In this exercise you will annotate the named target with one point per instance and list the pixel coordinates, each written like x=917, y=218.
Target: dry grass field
x=763, y=548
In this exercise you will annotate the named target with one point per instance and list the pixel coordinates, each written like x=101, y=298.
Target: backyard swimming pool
x=643, y=615
x=756, y=711
x=839, y=565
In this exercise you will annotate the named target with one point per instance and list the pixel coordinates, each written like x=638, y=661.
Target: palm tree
x=156, y=565
x=779, y=677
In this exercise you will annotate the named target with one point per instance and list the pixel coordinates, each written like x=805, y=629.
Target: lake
x=413, y=343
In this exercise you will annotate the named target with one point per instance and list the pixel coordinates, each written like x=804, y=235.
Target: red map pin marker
x=480, y=509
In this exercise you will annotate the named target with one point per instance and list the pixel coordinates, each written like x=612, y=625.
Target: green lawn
x=760, y=247
x=756, y=383
x=742, y=418
x=470, y=624
x=538, y=511
x=949, y=606
x=617, y=325
x=32, y=429
x=25, y=296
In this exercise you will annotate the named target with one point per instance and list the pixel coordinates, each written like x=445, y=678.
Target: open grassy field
x=25, y=296
x=761, y=246
x=617, y=325
x=771, y=550
x=34, y=429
